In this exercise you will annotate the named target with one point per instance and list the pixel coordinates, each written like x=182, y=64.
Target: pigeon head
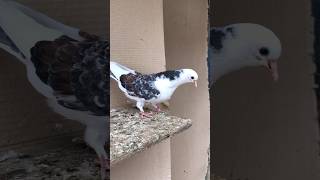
x=236, y=46
x=258, y=46
x=189, y=76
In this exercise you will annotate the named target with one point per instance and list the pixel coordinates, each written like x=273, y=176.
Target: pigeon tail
x=22, y=31
x=47, y=21
x=8, y=45
x=116, y=70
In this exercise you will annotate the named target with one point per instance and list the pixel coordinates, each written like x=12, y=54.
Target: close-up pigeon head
x=240, y=45
x=258, y=46
x=265, y=46
x=189, y=75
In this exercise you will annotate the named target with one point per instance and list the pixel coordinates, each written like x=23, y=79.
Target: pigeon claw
x=146, y=115
x=158, y=109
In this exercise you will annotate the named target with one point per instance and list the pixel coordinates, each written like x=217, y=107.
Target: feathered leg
x=96, y=137
x=140, y=105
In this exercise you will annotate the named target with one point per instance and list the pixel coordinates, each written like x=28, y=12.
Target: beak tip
x=272, y=65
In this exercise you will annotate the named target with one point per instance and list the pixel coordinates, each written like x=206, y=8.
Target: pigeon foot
x=144, y=114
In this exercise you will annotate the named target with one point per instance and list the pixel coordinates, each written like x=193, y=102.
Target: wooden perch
x=131, y=134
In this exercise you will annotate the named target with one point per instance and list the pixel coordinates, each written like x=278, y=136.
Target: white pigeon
x=242, y=45
x=65, y=65
x=150, y=88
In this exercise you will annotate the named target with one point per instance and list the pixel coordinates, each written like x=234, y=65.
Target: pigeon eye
x=192, y=77
x=264, y=51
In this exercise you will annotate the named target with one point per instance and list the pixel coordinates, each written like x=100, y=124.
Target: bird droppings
x=129, y=133
x=74, y=162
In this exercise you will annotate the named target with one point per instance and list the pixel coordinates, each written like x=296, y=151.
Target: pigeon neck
x=222, y=68
x=226, y=65
x=174, y=84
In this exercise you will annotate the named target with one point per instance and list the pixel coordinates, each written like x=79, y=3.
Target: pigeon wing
x=141, y=86
x=74, y=68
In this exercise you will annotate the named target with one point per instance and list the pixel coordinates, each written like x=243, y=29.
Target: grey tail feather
x=5, y=39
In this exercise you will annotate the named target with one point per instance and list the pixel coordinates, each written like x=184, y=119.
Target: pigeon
x=241, y=45
x=150, y=88
x=64, y=64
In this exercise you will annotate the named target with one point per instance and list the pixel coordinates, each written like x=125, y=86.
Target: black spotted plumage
x=216, y=38
x=75, y=68
x=230, y=30
x=218, y=35
x=89, y=76
x=139, y=85
x=172, y=75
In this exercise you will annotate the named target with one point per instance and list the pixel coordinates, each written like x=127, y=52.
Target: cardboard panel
x=186, y=23
x=25, y=118
x=153, y=163
x=136, y=38
x=264, y=130
x=137, y=41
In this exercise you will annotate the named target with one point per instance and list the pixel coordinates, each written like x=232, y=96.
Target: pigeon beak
x=273, y=68
x=195, y=83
